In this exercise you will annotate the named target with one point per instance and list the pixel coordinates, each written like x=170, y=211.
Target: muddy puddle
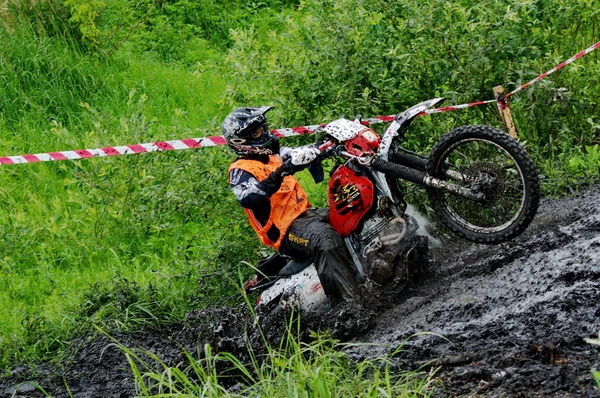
x=500, y=321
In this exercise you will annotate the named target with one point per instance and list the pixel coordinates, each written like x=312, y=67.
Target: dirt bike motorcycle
x=480, y=182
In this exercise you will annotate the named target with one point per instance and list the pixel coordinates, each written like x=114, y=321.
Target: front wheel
x=487, y=161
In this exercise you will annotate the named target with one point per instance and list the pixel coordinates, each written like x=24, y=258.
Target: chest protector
x=286, y=204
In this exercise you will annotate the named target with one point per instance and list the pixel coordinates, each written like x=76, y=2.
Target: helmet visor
x=258, y=136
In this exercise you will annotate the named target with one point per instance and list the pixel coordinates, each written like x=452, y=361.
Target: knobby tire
x=438, y=163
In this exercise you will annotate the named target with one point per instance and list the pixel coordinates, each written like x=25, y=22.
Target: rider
x=277, y=207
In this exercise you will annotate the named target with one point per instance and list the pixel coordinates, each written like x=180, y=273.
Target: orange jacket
x=286, y=204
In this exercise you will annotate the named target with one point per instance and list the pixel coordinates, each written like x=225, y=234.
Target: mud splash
x=505, y=320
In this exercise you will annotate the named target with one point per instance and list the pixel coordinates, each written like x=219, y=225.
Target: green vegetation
x=595, y=372
x=140, y=240
x=294, y=369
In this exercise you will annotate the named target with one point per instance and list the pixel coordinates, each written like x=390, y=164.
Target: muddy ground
x=513, y=319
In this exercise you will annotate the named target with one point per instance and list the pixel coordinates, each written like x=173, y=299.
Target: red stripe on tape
x=137, y=148
x=301, y=130
x=6, y=161
x=218, y=140
x=164, y=146
x=478, y=103
x=58, y=156
x=110, y=151
x=443, y=109
x=84, y=153
x=561, y=65
x=191, y=143
x=31, y=158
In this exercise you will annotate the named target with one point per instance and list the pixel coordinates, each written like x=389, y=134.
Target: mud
x=513, y=317
x=503, y=321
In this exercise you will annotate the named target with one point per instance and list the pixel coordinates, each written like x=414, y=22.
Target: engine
x=380, y=245
x=379, y=233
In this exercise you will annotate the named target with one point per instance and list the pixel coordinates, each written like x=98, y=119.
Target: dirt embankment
x=513, y=319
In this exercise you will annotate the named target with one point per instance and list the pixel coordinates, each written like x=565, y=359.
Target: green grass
x=595, y=372
x=319, y=368
x=68, y=228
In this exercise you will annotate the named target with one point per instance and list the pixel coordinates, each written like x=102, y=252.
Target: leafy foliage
x=90, y=73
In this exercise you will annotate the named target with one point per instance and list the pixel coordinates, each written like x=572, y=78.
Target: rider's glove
x=296, y=159
x=303, y=156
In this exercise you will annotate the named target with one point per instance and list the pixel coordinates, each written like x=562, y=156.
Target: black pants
x=311, y=235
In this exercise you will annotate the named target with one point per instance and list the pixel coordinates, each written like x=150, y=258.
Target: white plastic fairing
x=388, y=137
x=344, y=129
x=302, y=289
x=402, y=119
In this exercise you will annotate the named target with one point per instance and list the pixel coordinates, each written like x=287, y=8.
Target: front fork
x=356, y=258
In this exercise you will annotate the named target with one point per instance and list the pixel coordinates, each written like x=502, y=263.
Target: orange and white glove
x=304, y=155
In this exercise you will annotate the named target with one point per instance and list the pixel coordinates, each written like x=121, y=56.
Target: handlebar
x=329, y=146
x=325, y=146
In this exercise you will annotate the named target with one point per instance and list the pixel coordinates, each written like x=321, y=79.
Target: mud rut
x=513, y=318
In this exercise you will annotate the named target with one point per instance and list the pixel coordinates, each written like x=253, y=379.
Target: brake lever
x=326, y=147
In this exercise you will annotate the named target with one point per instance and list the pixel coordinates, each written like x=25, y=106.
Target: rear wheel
x=490, y=162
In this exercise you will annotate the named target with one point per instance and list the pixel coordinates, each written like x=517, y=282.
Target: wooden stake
x=505, y=111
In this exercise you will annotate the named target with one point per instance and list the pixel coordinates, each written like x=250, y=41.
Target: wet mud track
x=502, y=321
x=514, y=316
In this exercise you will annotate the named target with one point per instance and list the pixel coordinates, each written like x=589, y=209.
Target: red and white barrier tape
x=115, y=150
x=219, y=140
x=557, y=67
